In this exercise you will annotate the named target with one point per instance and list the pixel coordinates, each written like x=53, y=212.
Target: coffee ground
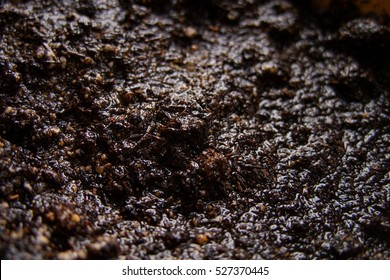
x=193, y=130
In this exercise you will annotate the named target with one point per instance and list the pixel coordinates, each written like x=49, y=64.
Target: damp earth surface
x=193, y=130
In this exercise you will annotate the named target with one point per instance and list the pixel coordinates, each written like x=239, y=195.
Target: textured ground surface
x=194, y=129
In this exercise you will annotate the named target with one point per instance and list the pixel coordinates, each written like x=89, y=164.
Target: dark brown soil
x=193, y=130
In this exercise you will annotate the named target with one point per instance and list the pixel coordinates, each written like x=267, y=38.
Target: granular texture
x=181, y=129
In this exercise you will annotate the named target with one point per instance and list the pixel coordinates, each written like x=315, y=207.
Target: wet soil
x=193, y=130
